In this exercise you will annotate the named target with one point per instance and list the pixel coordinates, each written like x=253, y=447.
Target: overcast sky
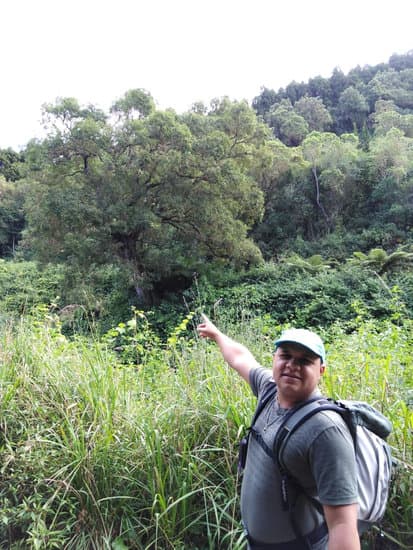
x=181, y=51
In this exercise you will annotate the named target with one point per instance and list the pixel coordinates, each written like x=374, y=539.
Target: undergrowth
x=127, y=441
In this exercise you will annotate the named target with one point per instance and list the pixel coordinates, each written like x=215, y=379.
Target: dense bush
x=99, y=300
x=311, y=299
x=283, y=290
x=23, y=285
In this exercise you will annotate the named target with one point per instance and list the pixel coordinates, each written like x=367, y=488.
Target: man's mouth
x=289, y=375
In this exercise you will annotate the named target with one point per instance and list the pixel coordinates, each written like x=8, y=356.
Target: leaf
x=118, y=544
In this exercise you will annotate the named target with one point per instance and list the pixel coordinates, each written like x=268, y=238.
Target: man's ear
x=322, y=368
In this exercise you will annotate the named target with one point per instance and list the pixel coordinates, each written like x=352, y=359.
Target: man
x=319, y=454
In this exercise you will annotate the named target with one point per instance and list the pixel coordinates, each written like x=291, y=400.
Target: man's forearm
x=342, y=527
x=236, y=355
x=343, y=538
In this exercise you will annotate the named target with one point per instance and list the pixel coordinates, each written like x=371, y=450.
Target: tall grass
x=101, y=453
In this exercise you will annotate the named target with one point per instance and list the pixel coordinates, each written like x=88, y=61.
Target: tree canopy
x=162, y=193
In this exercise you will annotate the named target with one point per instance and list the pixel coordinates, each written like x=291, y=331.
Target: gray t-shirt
x=320, y=456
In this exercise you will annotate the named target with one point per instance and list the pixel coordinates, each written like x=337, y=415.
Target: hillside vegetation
x=140, y=201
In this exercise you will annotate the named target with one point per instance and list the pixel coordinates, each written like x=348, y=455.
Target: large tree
x=333, y=164
x=313, y=110
x=287, y=125
x=165, y=195
x=352, y=110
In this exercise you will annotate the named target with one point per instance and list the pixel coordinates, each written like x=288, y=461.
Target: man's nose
x=292, y=362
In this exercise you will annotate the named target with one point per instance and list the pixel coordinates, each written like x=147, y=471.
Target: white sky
x=181, y=51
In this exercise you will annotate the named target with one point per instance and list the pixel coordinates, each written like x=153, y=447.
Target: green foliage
x=99, y=298
x=10, y=164
x=314, y=112
x=352, y=109
x=313, y=290
x=377, y=259
x=146, y=191
x=160, y=197
x=392, y=156
x=393, y=85
x=288, y=125
x=314, y=264
x=176, y=337
x=98, y=452
x=24, y=286
x=134, y=340
x=138, y=102
x=12, y=218
x=349, y=98
x=91, y=459
x=310, y=291
x=387, y=116
x=135, y=203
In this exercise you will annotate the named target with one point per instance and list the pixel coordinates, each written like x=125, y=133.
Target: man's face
x=296, y=371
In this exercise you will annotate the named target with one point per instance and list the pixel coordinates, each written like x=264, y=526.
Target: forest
x=143, y=201
x=133, y=205
x=118, y=228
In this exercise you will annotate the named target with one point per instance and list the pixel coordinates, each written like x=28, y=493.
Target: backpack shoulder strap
x=301, y=414
x=293, y=420
x=365, y=424
x=268, y=394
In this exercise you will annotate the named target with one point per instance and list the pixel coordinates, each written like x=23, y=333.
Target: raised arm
x=235, y=354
